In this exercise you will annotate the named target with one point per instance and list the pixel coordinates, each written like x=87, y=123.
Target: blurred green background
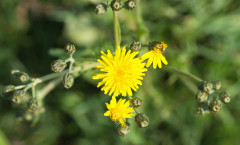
x=203, y=38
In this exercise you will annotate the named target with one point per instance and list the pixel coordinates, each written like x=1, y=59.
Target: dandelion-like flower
x=155, y=55
x=121, y=73
x=119, y=111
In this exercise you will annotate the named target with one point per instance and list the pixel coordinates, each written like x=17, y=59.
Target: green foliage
x=202, y=37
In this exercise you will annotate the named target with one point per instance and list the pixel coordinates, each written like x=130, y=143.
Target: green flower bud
x=203, y=108
x=208, y=87
x=23, y=77
x=130, y=4
x=142, y=120
x=216, y=105
x=14, y=73
x=135, y=46
x=225, y=97
x=216, y=85
x=8, y=90
x=18, y=96
x=33, y=105
x=101, y=8
x=122, y=131
x=69, y=48
x=202, y=96
x=68, y=80
x=58, y=65
x=136, y=102
x=116, y=5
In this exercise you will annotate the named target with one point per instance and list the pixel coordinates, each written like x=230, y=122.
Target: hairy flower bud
x=8, y=90
x=216, y=105
x=18, y=96
x=14, y=73
x=136, y=102
x=69, y=48
x=23, y=77
x=135, y=46
x=33, y=105
x=116, y=5
x=216, y=85
x=225, y=97
x=68, y=80
x=101, y=8
x=122, y=131
x=58, y=65
x=142, y=120
x=130, y=4
x=203, y=108
x=207, y=87
x=202, y=96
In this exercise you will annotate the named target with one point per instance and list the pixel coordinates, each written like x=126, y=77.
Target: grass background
x=203, y=38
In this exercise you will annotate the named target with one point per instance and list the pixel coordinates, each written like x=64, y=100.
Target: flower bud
x=142, y=120
x=216, y=85
x=225, y=97
x=216, y=105
x=203, y=108
x=122, y=131
x=208, y=87
x=69, y=48
x=136, y=102
x=8, y=90
x=101, y=8
x=18, y=96
x=116, y=5
x=58, y=65
x=202, y=96
x=23, y=77
x=135, y=46
x=68, y=80
x=157, y=45
x=130, y=4
x=14, y=73
x=33, y=105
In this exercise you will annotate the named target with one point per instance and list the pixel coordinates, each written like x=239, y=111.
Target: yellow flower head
x=119, y=111
x=120, y=73
x=155, y=55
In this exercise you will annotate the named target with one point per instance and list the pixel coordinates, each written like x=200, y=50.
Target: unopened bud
x=203, y=108
x=208, y=87
x=130, y=4
x=23, y=77
x=135, y=46
x=18, y=96
x=216, y=85
x=33, y=105
x=68, y=80
x=136, y=102
x=69, y=48
x=58, y=65
x=14, y=73
x=216, y=105
x=122, y=131
x=8, y=90
x=225, y=97
x=116, y=5
x=101, y=8
x=202, y=96
x=142, y=120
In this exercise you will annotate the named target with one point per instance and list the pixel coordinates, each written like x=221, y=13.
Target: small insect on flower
x=155, y=54
x=121, y=73
x=119, y=111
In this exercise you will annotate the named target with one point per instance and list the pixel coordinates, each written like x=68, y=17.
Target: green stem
x=116, y=35
x=189, y=75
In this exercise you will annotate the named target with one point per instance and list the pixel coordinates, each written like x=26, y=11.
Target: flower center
x=115, y=114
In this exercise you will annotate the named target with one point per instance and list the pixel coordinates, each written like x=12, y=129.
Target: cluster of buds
x=60, y=65
x=210, y=98
x=141, y=119
x=115, y=5
x=18, y=94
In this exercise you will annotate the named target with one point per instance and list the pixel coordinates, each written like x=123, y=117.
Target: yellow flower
x=155, y=55
x=120, y=73
x=119, y=111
